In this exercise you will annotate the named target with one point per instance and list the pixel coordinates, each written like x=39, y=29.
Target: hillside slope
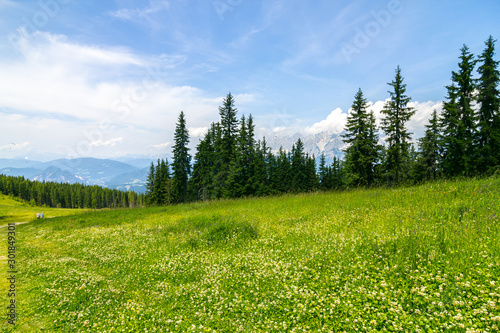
x=419, y=258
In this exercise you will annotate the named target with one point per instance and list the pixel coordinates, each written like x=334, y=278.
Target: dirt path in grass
x=17, y=223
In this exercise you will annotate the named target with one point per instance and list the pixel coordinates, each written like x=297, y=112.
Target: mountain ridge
x=126, y=173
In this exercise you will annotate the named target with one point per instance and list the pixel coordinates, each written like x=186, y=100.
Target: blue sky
x=109, y=78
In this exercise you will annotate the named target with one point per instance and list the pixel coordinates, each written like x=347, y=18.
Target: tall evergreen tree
x=361, y=154
x=206, y=165
x=259, y=183
x=458, y=119
x=451, y=145
x=162, y=183
x=489, y=108
x=312, y=180
x=429, y=155
x=323, y=173
x=150, y=185
x=241, y=174
x=229, y=126
x=181, y=165
x=397, y=114
x=298, y=167
x=228, y=142
x=337, y=174
x=282, y=181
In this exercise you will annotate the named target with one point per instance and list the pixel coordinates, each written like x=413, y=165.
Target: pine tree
x=451, y=145
x=312, y=181
x=164, y=183
x=298, y=167
x=259, y=183
x=427, y=167
x=150, y=185
x=397, y=114
x=202, y=168
x=240, y=172
x=488, y=140
x=361, y=155
x=181, y=165
x=323, y=173
x=229, y=127
x=337, y=174
x=458, y=120
x=283, y=175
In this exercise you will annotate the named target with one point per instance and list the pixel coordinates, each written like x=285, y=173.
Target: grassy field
x=12, y=210
x=413, y=259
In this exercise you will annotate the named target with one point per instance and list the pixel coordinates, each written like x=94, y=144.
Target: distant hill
x=18, y=163
x=29, y=173
x=93, y=170
x=54, y=174
x=90, y=171
x=131, y=181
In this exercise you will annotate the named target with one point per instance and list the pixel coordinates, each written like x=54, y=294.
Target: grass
x=12, y=210
x=422, y=258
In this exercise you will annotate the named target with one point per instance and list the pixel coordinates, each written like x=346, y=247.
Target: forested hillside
x=63, y=195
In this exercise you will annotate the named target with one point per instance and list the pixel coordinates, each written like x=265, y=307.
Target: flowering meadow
x=413, y=259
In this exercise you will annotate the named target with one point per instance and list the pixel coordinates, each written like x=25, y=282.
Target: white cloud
x=416, y=125
x=160, y=146
x=423, y=113
x=110, y=142
x=61, y=89
x=44, y=47
x=197, y=132
x=279, y=129
x=142, y=15
x=336, y=120
x=12, y=146
x=335, y=123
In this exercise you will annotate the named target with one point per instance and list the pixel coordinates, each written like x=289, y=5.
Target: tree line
x=463, y=140
x=62, y=195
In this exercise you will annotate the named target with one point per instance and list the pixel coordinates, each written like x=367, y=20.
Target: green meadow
x=414, y=259
x=13, y=210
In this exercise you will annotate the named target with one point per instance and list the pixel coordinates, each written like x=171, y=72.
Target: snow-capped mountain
x=55, y=174
x=327, y=143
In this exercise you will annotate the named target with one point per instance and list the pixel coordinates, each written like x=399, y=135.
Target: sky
x=109, y=78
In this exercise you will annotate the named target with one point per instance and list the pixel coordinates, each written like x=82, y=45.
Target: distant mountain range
x=327, y=143
x=90, y=171
x=130, y=174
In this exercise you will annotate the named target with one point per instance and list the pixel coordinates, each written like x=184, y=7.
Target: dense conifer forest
x=63, y=195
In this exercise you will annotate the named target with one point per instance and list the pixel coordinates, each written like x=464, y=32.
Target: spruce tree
x=488, y=139
x=259, y=183
x=323, y=173
x=298, y=167
x=283, y=174
x=312, y=180
x=226, y=143
x=467, y=125
x=361, y=136
x=397, y=114
x=427, y=167
x=450, y=145
x=150, y=185
x=458, y=120
x=205, y=165
x=229, y=126
x=181, y=165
